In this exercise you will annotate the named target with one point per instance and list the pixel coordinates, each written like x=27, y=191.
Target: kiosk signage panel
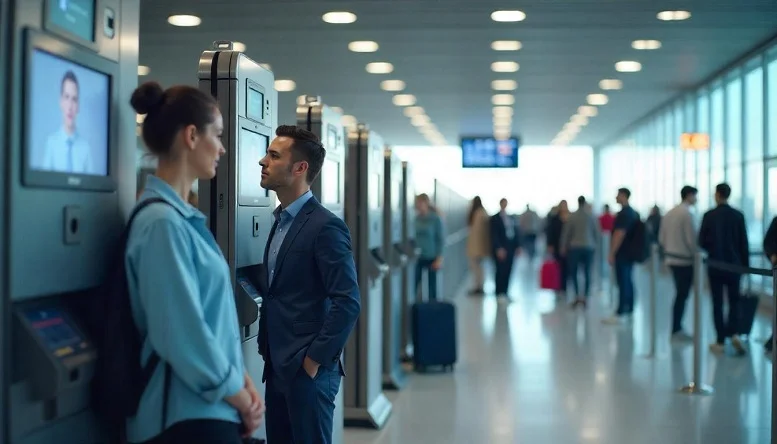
x=74, y=16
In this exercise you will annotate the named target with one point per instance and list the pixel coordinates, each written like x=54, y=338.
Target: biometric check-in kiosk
x=68, y=185
x=393, y=375
x=365, y=403
x=329, y=186
x=239, y=210
x=410, y=295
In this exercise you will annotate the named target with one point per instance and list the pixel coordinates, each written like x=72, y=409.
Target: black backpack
x=637, y=242
x=119, y=379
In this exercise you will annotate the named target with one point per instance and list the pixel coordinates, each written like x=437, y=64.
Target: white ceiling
x=441, y=49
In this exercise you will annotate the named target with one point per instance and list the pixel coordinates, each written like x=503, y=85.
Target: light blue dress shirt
x=183, y=304
x=69, y=154
x=284, y=217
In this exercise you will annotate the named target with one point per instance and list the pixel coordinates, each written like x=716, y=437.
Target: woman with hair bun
x=180, y=287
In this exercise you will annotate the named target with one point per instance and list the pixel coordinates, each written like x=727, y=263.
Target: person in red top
x=606, y=220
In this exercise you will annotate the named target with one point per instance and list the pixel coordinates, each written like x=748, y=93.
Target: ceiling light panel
x=143, y=70
x=379, y=68
x=669, y=16
x=363, y=46
x=505, y=66
x=503, y=111
x=184, y=20
x=339, y=17
x=285, y=85
x=580, y=120
x=503, y=99
x=610, y=84
x=646, y=45
x=403, y=100
x=504, y=85
x=597, y=99
x=506, y=45
x=392, y=85
x=588, y=111
x=628, y=66
x=508, y=16
x=420, y=120
x=411, y=111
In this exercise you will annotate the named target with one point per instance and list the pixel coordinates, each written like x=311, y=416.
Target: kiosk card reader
x=365, y=403
x=239, y=210
x=69, y=148
x=393, y=375
x=328, y=187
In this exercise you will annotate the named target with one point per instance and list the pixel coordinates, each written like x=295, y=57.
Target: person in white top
x=677, y=236
x=66, y=151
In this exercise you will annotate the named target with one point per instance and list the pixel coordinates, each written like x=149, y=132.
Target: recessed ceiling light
x=506, y=45
x=505, y=67
x=392, y=85
x=502, y=99
x=285, y=85
x=597, y=99
x=411, y=111
x=143, y=70
x=239, y=46
x=646, y=45
x=348, y=120
x=610, y=84
x=336, y=109
x=339, y=17
x=628, y=66
x=502, y=120
x=508, y=16
x=428, y=128
x=588, y=111
x=420, y=120
x=580, y=120
x=504, y=85
x=503, y=127
x=379, y=68
x=403, y=100
x=266, y=66
x=363, y=46
x=503, y=111
x=502, y=135
x=184, y=20
x=669, y=16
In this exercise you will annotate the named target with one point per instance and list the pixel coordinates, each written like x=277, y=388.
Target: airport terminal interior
x=560, y=211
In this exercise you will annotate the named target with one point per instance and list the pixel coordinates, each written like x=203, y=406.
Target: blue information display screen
x=487, y=152
x=255, y=105
x=74, y=16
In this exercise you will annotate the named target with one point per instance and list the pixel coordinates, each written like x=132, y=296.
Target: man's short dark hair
x=625, y=192
x=581, y=201
x=688, y=191
x=306, y=147
x=69, y=76
x=723, y=190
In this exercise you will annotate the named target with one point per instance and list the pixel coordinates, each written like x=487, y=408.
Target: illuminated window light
x=339, y=17
x=184, y=20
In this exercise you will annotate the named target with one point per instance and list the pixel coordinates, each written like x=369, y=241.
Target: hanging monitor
x=488, y=152
x=67, y=116
x=76, y=17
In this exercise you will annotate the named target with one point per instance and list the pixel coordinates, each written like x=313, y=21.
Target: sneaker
x=739, y=346
x=681, y=336
x=718, y=349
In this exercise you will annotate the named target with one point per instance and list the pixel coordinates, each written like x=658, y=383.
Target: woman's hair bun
x=147, y=97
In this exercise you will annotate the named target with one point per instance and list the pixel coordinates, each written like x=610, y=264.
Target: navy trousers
x=301, y=411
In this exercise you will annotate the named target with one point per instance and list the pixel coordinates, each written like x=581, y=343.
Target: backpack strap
x=154, y=359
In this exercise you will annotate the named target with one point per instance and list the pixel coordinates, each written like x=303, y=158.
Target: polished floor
x=534, y=371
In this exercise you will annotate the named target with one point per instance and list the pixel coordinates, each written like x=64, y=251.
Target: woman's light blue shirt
x=183, y=304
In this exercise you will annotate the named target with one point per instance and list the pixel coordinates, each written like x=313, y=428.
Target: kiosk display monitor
x=68, y=117
x=488, y=152
x=253, y=147
x=255, y=104
x=55, y=331
x=74, y=16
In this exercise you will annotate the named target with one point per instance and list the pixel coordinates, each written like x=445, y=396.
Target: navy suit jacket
x=313, y=302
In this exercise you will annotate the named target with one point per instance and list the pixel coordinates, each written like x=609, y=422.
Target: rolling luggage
x=550, y=275
x=434, y=335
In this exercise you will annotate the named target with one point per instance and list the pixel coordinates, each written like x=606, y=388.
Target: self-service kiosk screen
x=330, y=182
x=253, y=147
x=54, y=330
x=67, y=117
x=255, y=104
x=74, y=16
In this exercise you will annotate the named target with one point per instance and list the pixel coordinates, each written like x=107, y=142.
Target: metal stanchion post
x=653, y=274
x=696, y=387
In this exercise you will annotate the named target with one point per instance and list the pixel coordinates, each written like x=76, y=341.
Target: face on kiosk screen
x=253, y=147
x=68, y=117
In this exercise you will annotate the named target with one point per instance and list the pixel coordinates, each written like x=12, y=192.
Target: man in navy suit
x=310, y=295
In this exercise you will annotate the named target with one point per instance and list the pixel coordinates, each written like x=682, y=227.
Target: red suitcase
x=550, y=275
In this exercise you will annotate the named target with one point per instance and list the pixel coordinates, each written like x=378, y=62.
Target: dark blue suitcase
x=434, y=335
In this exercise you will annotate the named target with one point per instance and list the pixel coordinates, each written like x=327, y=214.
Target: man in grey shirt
x=677, y=236
x=579, y=239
